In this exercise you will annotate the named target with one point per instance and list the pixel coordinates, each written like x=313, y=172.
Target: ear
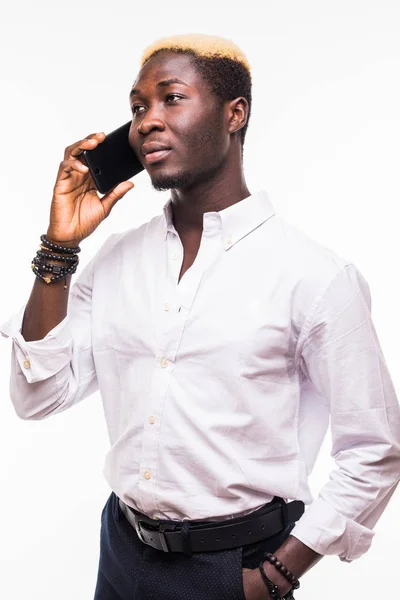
x=238, y=111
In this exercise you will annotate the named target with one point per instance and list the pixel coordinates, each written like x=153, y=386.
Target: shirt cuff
x=39, y=359
x=325, y=531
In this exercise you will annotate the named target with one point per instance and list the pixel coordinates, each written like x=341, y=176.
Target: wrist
x=260, y=587
x=52, y=237
x=276, y=578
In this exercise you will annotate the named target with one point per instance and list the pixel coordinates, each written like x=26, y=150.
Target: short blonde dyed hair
x=201, y=45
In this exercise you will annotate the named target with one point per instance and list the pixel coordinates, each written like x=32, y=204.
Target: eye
x=170, y=98
x=174, y=96
x=135, y=108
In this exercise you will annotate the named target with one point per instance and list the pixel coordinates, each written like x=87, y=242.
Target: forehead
x=169, y=65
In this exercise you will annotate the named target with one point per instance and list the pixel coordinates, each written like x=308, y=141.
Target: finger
x=115, y=194
x=67, y=167
x=87, y=143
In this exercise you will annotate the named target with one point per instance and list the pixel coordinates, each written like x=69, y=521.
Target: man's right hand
x=76, y=209
x=253, y=586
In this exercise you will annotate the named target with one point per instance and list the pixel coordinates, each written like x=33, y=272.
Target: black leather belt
x=174, y=536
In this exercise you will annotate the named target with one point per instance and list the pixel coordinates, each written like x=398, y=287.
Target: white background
x=323, y=141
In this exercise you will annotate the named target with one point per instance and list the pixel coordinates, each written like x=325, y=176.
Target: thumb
x=110, y=199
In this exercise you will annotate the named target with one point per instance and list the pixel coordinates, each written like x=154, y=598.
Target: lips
x=158, y=155
x=154, y=151
x=150, y=147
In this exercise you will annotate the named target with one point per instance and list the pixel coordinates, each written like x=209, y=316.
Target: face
x=178, y=125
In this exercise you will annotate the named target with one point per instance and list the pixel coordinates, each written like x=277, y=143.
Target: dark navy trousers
x=132, y=570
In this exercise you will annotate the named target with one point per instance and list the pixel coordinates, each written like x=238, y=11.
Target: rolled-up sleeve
x=40, y=359
x=343, y=359
x=56, y=372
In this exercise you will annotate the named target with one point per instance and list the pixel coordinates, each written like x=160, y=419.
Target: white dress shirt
x=217, y=390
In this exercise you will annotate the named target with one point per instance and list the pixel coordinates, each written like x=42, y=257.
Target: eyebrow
x=164, y=83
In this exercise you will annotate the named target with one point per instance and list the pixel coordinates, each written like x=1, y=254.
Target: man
x=221, y=339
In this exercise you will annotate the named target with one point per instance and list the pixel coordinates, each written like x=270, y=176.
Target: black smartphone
x=113, y=160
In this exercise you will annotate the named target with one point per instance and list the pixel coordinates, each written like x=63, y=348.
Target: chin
x=168, y=181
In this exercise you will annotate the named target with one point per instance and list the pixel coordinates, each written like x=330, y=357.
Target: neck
x=189, y=205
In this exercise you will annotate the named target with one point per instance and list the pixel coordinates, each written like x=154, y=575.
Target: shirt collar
x=236, y=221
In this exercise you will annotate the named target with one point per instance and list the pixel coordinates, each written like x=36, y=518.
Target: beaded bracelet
x=62, y=249
x=51, y=267
x=272, y=587
x=67, y=255
x=65, y=258
x=56, y=277
x=40, y=261
x=292, y=579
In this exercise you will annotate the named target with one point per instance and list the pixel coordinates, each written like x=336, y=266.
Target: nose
x=150, y=121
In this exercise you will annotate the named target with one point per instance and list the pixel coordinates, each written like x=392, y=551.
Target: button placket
x=175, y=256
x=171, y=324
x=148, y=461
x=151, y=431
x=182, y=296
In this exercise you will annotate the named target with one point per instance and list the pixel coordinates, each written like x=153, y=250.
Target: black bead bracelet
x=56, y=277
x=40, y=263
x=51, y=268
x=71, y=258
x=65, y=255
x=62, y=249
x=272, y=588
x=292, y=579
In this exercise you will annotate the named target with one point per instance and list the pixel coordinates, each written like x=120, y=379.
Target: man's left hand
x=253, y=586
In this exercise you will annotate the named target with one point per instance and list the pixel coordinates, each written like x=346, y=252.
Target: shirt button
x=175, y=256
x=228, y=239
x=147, y=475
x=27, y=363
x=166, y=306
x=164, y=363
x=152, y=420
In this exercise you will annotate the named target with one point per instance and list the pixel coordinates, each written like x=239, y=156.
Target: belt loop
x=187, y=548
x=285, y=513
x=163, y=541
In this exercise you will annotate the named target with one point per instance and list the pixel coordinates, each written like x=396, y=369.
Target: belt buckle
x=159, y=532
x=139, y=530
